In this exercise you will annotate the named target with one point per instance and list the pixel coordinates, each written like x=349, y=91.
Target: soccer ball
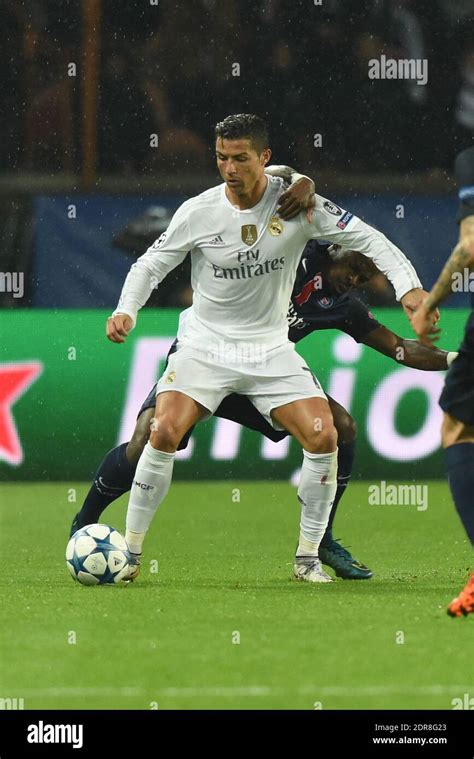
x=97, y=555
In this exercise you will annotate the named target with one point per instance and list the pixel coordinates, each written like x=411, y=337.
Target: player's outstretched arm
x=339, y=226
x=461, y=258
x=149, y=270
x=284, y=172
x=298, y=197
x=408, y=352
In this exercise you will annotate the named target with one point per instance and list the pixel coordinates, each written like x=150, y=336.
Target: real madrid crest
x=275, y=226
x=249, y=234
x=171, y=377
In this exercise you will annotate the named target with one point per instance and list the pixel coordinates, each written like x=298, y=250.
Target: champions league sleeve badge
x=332, y=208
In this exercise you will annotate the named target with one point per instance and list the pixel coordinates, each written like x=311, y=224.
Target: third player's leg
x=458, y=444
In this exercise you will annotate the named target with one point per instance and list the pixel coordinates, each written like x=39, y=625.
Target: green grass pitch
x=221, y=625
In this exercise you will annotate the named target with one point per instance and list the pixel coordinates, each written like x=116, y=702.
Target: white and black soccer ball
x=98, y=555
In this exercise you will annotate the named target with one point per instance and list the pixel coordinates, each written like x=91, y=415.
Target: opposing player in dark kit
x=457, y=398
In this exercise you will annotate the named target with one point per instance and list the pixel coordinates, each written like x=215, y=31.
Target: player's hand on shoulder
x=118, y=327
x=299, y=196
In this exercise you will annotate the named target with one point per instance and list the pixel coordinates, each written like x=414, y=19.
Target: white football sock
x=316, y=493
x=135, y=540
x=150, y=485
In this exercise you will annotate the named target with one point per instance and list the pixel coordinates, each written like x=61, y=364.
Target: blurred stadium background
x=109, y=125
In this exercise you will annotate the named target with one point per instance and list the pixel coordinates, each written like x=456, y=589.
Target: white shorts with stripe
x=270, y=379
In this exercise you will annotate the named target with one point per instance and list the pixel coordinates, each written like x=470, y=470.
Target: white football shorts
x=268, y=378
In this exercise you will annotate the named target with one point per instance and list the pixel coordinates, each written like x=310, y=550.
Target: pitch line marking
x=251, y=690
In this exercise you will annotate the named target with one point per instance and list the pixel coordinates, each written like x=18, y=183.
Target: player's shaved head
x=240, y=126
x=357, y=261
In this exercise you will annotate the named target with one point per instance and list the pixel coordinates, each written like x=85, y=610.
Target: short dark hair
x=360, y=264
x=244, y=126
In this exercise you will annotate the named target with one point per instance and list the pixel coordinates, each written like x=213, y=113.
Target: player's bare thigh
x=310, y=422
x=343, y=421
x=175, y=413
x=454, y=431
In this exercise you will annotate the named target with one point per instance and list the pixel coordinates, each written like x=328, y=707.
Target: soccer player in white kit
x=234, y=338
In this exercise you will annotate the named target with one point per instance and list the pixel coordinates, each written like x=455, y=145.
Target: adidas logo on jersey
x=216, y=242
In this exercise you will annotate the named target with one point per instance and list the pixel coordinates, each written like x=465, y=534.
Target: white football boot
x=308, y=568
x=133, y=567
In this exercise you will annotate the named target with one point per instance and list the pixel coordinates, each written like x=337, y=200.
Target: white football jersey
x=244, y=263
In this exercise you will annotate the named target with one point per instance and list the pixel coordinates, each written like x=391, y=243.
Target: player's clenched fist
x=118, y=327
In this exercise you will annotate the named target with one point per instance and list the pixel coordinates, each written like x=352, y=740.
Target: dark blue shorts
x=457, y=398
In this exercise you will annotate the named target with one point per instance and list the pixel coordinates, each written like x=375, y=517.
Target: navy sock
x=460, y=465
x=345, y=461
x=113, y=478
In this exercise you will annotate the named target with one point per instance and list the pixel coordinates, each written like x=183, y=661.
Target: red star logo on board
x=15, y=379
